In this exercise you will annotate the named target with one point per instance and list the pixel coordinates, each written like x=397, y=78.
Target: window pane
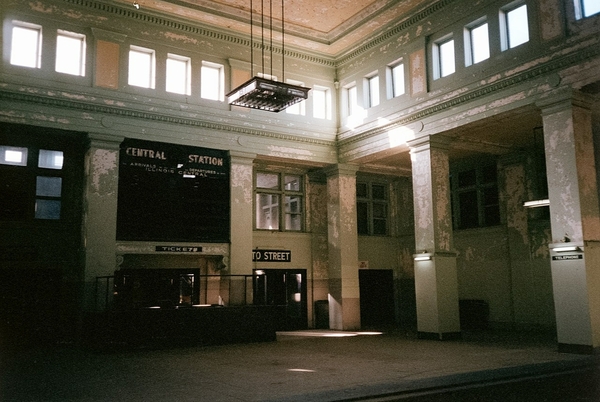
x=319, y=103
x=378, y=192
x=518, y=27
x=352, y=101
x=361, y=190
x=48, y=186
x=491, y=207
x=468, y=210
x=379, y=227
x=210, y=85
x=178, y=75
x=489, y=174
x=293, y=213
x=480, y=43
x=293, y=183
x=50, y=159
x=446, y=50
x=398, y=79
x=362, y=215
x=70, y=54
x=141, y=68
x=13, y=156
x=590, y=7
x=374, y=91
x=267, y=180
x=25, y=46
x=47, y=209
x=467, y=178
x=267, y=211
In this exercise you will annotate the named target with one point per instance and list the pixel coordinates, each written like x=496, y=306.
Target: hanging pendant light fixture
x=261, y=92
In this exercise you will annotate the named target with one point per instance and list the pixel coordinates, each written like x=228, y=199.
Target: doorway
x=285, y=288
x=377, y=307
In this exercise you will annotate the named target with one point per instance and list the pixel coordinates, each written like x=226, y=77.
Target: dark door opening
x=377, y=308
x=285, y=288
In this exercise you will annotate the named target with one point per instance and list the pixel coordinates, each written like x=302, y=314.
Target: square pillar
x=240, y=254
x=342, y=237
x=575, y=221
x=436, y=280
x=100, y=212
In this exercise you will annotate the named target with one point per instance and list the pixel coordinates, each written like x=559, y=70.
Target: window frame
x=150, y=67
x=371, y=204
x=439, y=58
x=220, y=70
x=394, y=88
x=35, y=53
x=506, y=27
x=321, y=111
x=480, y=187
x=281, y=193
x=471, y=47
x=81, y=63
x=298, y=108
x=187, y=63
x=372, y=90
x=351, y=99
x=580, y=9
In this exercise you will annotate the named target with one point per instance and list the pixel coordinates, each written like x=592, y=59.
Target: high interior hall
x=215, y=171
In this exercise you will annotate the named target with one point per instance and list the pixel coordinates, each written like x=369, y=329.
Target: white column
x=436, y=283
x=342, y=235
x=575, y=221
x=100, y=211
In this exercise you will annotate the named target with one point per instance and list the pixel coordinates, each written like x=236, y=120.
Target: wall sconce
x=563, y=249
x=424, y=256
x=536, y=203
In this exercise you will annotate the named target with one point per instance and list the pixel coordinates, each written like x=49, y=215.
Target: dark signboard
x=271, y=255
x=178, y=249
x=171, y=192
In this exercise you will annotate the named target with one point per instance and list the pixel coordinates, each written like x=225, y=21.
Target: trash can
x=474, y=314
x=321, y=314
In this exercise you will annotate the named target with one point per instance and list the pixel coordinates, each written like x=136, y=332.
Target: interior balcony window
x=475, y=198
x=444, y=58
x=321, y=103
x=70, y=53
x=141, y=67
x=351, y=100
x=514, y=24
x=212, y=81
x=477, y=43
x=372, y=208
x=586, y=8
x=396, y=80
x=373, y=90
x=26, y=45
x=179, y=74
x=297, y=108
x=279, y=201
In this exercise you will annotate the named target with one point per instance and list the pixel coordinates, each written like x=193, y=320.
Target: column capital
x=428, y=142
x=566, y=99
x=105, y=141
x=242, y=158
x=341, y=169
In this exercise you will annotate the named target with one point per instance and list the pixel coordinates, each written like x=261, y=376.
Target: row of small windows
x=514, y=26
x=26, y=51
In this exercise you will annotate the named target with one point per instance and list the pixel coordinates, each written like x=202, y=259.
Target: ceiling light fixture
x=266, y=93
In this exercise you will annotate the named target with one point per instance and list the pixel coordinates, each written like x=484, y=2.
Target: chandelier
x=261, y=92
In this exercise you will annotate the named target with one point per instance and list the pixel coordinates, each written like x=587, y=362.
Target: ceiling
x=328, y=27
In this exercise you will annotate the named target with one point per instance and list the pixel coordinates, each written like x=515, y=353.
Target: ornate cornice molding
x=105, y=110
x=396, y=31
x=555, y=64
x=147, y=18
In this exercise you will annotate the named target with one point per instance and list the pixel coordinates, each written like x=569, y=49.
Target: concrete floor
x=299, y=366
